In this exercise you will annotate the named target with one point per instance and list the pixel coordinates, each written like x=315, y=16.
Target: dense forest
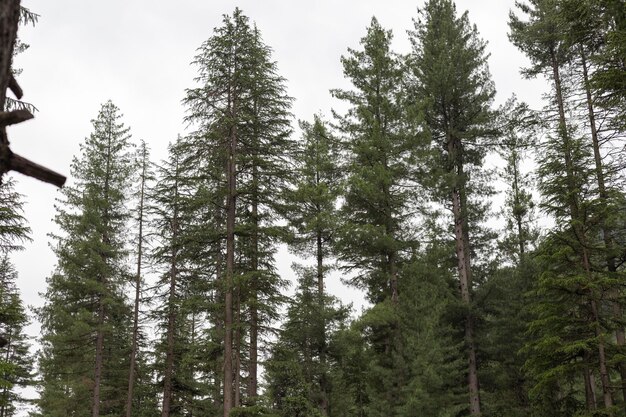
x=166, y=298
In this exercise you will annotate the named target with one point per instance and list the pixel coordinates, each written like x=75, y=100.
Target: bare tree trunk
x=134, y=347
x=464, y=266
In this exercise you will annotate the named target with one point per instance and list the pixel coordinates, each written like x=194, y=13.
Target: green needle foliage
x=86, y=317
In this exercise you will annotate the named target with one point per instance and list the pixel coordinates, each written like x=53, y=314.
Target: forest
x=166, y=298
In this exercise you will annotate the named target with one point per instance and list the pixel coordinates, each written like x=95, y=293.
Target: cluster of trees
x=166, y=297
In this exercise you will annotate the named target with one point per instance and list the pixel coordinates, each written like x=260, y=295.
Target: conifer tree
x=139, y=214
x=177, y=312
x=298, y=371
x=240, y=113
x=376, y=231
x=85, y=319
x=449, y=63
x=574, y=283
x=15, y=359
x=317, y=186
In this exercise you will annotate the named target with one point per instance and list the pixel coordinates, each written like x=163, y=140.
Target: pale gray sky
x=137, y=53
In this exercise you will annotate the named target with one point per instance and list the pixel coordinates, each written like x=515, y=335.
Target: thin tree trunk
x=254, y=314
x=465, y=273
x=604, y=373
x=171, y=319
x=134, y=348
x=237, y=347
x=518, y=217
x=218, y=295
x=321, y=305
x=230, y=266
x=590, y=392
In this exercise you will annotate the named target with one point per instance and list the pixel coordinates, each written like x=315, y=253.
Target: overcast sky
x=138, y=52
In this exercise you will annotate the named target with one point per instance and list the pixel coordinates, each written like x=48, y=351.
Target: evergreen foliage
x=392, y=198
x=85, y=321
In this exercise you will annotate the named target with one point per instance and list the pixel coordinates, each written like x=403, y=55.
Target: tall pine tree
x=449, y=63
x=85, y=319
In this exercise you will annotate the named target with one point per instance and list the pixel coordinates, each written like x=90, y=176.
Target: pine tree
x=450, y=67
x=317, y=186
x=166, y=207
x=145, y=175
x=298, y=371
x=15, y=359
x=376, y=230
x=240, y=113
x=13, y=229
x=566, y=172
x=86, y=317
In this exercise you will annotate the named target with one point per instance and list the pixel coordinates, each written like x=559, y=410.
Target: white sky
x=137, y=53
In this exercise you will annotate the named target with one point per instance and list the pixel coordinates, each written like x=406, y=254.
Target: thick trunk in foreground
x=9, y=16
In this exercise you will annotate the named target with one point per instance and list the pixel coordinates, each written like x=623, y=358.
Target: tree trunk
x=134, y=347
x=171, y=319
x=323, y=406
x=9, y=17
x=219, y=327
x=521, y=241
x=237, y=347
x=254, y=314
x=590, y=392
x=464, y=266
x=230, y=266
